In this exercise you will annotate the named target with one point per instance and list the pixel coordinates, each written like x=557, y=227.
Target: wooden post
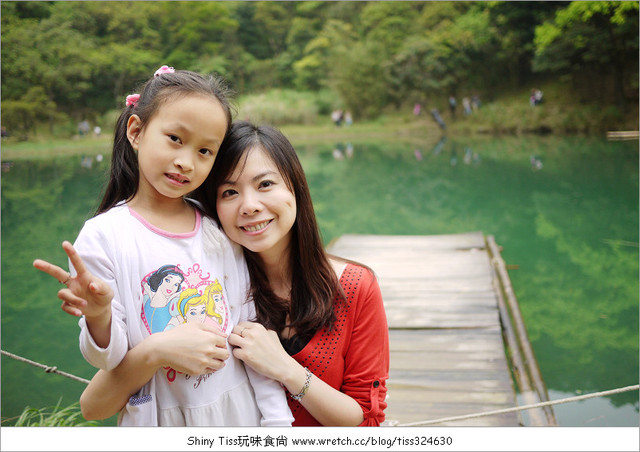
x=530, y=362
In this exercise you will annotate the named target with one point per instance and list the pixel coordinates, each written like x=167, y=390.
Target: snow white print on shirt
x=172, y=297
x=159, y=289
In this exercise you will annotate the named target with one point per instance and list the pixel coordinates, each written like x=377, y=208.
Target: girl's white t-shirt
x=161, y=280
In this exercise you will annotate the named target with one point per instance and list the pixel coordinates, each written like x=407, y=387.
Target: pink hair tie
x=132, y=99
x=164, y=70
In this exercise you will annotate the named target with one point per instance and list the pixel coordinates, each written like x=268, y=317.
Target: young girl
x=148, y=244
x=321, y=329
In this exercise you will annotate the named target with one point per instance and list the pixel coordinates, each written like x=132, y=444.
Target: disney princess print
x=172, y=296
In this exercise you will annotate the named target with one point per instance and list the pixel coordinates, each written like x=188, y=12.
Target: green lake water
x=565, y=211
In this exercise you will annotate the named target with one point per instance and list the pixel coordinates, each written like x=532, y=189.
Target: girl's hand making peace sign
x=85, y=294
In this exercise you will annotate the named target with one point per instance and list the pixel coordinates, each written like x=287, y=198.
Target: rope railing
x=54, y=369
x=522, y=407
x=48, y=369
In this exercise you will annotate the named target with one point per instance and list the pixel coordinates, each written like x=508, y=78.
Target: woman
x=320, y=327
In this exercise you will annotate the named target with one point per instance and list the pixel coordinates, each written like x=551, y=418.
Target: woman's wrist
x=296, y=379
x=305, y=387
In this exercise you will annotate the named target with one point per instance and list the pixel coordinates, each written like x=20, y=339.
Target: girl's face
x=178, y=145
x=256, y=208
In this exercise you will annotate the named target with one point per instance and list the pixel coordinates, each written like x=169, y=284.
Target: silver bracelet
x=301, y=394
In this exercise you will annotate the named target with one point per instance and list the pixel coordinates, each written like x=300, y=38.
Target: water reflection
x=43, y=203
x=470, y=156
x=536, y=162
x=439, y=145
x=340, y=151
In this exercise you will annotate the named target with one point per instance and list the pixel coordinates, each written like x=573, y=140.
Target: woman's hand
x=85, y=294
x=192, y=348
x=261, y=349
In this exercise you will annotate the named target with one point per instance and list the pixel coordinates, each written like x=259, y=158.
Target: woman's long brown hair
x=314, y=283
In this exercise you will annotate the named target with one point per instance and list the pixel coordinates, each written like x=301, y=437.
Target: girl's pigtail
x=124, y=175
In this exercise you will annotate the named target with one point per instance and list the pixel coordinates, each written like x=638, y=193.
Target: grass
x=54, y=147
x=56, y=416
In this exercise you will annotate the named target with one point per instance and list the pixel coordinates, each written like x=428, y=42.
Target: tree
x=21, y=115
x=591, y=37
x=453, y=50
x=312, y=70
x=515, y=24
x=275, y=18
x=358, y=78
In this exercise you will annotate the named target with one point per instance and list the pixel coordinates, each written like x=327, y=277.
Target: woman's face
x=256, y=208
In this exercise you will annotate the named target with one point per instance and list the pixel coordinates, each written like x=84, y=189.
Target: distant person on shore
x=438, y=119
x=452, y=106
x=536, y=97
x=416, y=109
x=348, y=119
x=136, y=264
x=466, y=105
x=337, y=117
x=83, y=127
x=475, y=102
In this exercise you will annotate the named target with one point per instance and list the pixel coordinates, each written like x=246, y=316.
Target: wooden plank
x=445, y=241
x=443, y=373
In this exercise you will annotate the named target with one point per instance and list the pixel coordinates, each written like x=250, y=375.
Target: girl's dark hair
x=314, y=283
x=124, y=175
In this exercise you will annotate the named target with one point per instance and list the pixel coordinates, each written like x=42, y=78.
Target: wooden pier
x=622, y=135
x=448, y=353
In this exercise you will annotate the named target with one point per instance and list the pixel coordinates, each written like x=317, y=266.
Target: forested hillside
x=64, y=61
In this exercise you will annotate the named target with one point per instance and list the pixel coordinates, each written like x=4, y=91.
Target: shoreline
x=398, y=128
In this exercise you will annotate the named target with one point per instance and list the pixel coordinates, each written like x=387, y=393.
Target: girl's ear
x=134, y=127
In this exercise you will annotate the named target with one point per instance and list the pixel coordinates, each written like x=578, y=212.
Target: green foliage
x=276, y=19
x=21, y=115
x=280, y=107
x=87, y=56
x=56, y=416
x=591, y=36
x=359, y=79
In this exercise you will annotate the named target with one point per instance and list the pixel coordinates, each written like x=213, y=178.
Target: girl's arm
x=192, y=348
